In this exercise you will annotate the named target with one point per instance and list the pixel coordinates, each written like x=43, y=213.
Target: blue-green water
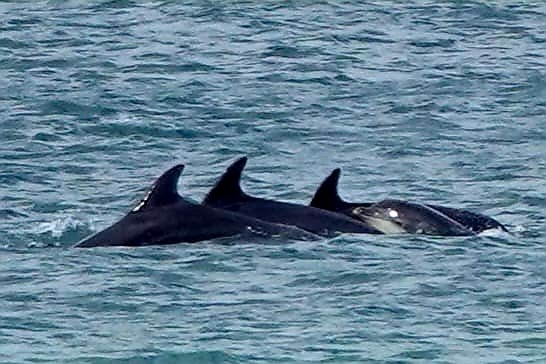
x=439, y=102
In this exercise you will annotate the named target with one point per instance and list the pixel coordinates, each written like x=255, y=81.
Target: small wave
x=63, y=107
x=200, y=357
x=519, y=229
x=6, y=213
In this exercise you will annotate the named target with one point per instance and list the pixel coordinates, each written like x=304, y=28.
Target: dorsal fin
x=163, y=191
x=228, y=188
x=327, y=196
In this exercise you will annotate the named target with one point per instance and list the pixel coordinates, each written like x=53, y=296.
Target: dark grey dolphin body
x=397, y=216
x=164, y=217
x=227, y=194
x=402, y=215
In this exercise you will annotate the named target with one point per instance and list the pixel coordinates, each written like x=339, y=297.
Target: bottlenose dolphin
x=227, y=194
x=437, y=219
x=164, y=217
x=397, y=216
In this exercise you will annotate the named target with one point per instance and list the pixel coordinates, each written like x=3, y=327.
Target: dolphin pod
x=163, y=216
x=227, y=194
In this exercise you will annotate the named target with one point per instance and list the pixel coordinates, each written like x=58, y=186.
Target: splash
x=59, y=226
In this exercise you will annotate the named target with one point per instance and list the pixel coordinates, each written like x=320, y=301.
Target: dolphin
x=398, y=216
x=227, y=194
x=164, y=217
x=435, y=219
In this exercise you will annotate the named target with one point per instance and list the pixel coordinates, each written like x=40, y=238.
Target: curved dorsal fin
x=163, y=191
x=228, y=188
x=326, y=197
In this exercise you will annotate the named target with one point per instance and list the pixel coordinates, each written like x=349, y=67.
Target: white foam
x=58, y=226
x=495, y=232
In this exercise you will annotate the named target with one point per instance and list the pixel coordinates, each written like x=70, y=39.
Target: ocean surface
x=431, y=101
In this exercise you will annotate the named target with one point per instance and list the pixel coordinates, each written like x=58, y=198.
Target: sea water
x=430, y=101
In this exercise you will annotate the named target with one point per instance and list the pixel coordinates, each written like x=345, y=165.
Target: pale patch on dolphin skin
x=257, y=232
x=393, y=213
x=384, y=225
x=142, y=202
